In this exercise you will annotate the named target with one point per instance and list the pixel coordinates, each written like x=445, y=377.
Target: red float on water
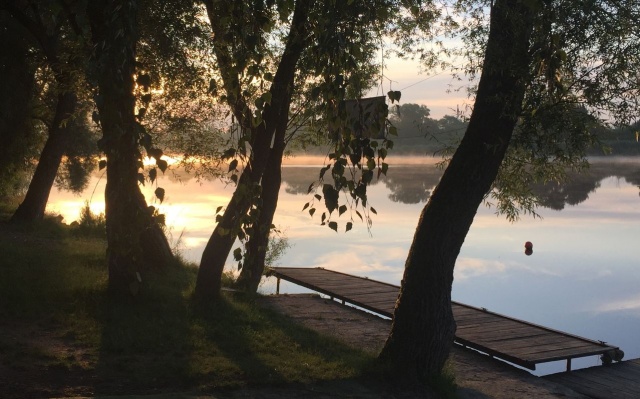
x=528, y=248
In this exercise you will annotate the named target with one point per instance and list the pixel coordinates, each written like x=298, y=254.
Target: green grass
x=55, y=314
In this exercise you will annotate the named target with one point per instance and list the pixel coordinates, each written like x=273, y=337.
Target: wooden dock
x=614, y=381
x=516, y=341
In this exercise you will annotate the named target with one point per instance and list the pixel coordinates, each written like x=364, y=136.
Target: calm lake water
x=583, y=276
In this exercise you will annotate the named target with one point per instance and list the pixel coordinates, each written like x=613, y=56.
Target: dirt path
x=477, y=375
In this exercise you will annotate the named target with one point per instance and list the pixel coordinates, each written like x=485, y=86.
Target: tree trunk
x=33, y=206
x=217, y=250
x=134, y=241
x=219, y=245
x=255, y=256
x=423, y=327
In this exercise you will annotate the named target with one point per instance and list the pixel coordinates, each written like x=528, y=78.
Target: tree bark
x=257, y=246
x=33, y=206
x=221, y=241
x=35, y=201
x=135, y=243
x=423, y=327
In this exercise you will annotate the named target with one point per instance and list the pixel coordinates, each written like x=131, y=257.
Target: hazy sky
x=436, y=91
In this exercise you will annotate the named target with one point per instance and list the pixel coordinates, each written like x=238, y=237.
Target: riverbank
x=477, y=376
x=61, y=336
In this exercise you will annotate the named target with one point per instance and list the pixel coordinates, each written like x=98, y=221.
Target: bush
x=89, y=224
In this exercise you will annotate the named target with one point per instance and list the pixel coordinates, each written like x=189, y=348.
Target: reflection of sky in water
x=583, y=276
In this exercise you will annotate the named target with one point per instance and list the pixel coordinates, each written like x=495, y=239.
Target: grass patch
x=58, y=327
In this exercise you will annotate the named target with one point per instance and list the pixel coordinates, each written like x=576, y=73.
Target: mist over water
x=583, y=276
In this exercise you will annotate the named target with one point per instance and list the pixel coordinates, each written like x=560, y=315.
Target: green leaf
x=102, y=164
x=160, y=193
x=234, y=178
x=323, y=217
x=342, y=209
x=393, y=131
x=266, y=97
x=218, y=209
x=144, y=80
x=305, y=206
x=312, y=211
x=162, y=165
x=146, y=98
x=237, y=254
x=333, y=226
x=141, y=178
x=153, y=173
x=155, y=153
x=233, y=165
x=330, y=197
x=318, y=197
x=141, y=113
x=310, y=188
x=323, y=171
x=359, y=215
x=230, y=153
x=349, y=226
x=256, y=121
x=372, y=209
x=146, y=141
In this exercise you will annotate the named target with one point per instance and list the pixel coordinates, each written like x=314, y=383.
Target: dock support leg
x=568, y=364
x=278, y=286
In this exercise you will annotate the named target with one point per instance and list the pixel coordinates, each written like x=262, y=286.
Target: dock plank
x=507, y=338
x=615, y=381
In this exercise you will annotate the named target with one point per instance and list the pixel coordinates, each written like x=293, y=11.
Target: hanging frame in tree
x=361, y=118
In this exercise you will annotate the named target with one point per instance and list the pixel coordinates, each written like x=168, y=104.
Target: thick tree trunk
x=256, y=252
x=217, y=250
x=33, y=206
x=423, y=327
x=221, y=241
x=134, y=241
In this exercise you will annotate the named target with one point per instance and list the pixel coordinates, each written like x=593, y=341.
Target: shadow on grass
x=267, y=348
x=164, y=343
x=61, y=334
x=144, y=344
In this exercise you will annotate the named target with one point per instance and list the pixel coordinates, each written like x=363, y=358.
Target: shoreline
x=478, y=376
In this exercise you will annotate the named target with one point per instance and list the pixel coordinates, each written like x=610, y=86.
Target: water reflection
x=579, y=185
x=582, y=278
x=412, y=184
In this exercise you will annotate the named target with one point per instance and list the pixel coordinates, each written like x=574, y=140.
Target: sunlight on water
x=583, y=276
